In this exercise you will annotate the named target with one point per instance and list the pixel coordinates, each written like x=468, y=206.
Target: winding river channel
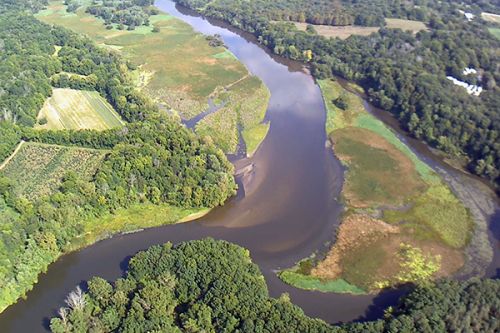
x=287, y=209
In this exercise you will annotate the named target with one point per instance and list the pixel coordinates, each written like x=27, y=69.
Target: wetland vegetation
x=401, y=223
x=179, y=69
x=385, y=63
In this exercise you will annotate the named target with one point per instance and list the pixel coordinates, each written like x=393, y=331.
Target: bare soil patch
x=354, y=230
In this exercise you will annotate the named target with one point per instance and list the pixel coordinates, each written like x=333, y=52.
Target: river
x=287, y=209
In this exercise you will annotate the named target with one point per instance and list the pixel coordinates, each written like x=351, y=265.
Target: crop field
x=384, y=178
x=77, y=109
x=344, y=32
x=39, y=168
x=183, y=70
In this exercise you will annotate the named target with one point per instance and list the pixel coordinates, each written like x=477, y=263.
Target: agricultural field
x=77, y=109
x=344, y=32
x=490, y=17
x=401, y=224
x=245, y=109
x=38, y=168
x=180, y=69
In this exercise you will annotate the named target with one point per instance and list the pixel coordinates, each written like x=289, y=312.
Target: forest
x=152, y=159
x=212, y=286
x=401, y=72
x=132, y=13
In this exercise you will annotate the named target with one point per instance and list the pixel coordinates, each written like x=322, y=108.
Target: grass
x=384, y=177
x=490, y=17
x=414, y=26
x=495, y=32
x=135, y=218
x=344, y=32
x=38, y=168
x=253, y=137
x=361, y=264
x=442, y=212
x=184, y=69
x=336, y=31
x=308, y=282
x=78, y=109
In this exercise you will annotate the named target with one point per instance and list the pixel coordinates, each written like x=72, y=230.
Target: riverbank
x=135, y=218
x=394, y=202
x=178, y=69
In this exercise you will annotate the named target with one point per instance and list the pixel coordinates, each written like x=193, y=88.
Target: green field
x=245, y=108
x=183, y=71
x=386, y=179
x=77, y=109
x=38, y=168
x=495, y=32
x=177, y=68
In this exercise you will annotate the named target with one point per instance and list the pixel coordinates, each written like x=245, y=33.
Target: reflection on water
x=289, y=211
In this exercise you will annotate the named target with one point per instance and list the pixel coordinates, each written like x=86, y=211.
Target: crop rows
x=39, y=168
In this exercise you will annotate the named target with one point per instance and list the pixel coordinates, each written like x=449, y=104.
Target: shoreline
x=478, y=257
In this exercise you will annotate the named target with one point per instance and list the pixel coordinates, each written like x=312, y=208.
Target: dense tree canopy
x=402, y=72
x=212, y=286
x=131, y=13
x=152, y=159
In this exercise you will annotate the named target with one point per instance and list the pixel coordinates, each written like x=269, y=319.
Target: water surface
x=287, y=210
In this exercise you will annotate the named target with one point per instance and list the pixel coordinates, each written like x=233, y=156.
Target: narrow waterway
x=287, y=209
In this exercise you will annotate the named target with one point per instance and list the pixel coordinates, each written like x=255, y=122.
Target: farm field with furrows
x=77, y=109
x=38, y=169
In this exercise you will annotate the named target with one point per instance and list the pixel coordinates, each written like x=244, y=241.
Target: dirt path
x=4, y=163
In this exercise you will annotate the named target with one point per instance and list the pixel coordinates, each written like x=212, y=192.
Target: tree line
x=152, y=159
x=212, y=286
x=130, y=14
x=402, y=72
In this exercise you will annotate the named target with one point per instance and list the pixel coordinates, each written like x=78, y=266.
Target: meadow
x=182, y=69
x=344, y=32
x=77, y=109
x=38, y=169
x=391, y=198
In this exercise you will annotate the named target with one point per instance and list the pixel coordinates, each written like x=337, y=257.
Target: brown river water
x=287, y=209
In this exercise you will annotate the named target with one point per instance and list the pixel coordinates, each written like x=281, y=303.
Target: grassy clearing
x=184, y=69
x=414, y=26
x=308, y=282
x=344, y=32
x=78, y=109
x=441, y=211
x=337, y=31
x=490, y=17
x=495, y=32
x=384, y=177
x=39, y=168
x=137, y=217
x=253, y=137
